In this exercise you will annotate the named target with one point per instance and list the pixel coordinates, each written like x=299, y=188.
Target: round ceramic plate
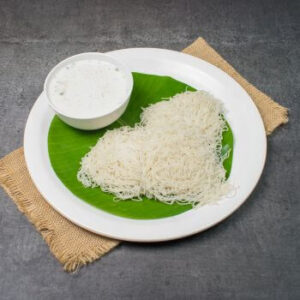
x=248, y=158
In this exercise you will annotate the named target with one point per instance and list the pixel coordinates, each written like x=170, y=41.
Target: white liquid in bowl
x=88, y=88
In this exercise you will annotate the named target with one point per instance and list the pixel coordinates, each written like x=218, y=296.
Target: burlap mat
x=72, y=245
x=271, y=112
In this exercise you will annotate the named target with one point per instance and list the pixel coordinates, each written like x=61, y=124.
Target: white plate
x=248, y=159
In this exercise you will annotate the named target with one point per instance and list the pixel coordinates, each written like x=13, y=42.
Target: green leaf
x=68, y=145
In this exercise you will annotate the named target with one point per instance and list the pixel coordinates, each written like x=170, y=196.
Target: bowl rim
x=84, y=56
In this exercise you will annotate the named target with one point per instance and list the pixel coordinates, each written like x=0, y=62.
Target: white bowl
x=101, y=120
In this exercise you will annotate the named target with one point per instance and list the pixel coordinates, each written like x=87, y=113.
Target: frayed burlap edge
x=272, y=113
x=71, y=259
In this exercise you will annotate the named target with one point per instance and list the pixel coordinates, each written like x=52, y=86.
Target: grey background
x=254, y=253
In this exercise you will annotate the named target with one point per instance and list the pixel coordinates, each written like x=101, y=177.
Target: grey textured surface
x=252, y=255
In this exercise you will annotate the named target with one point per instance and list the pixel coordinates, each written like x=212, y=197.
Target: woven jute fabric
x=72, y=245
x=272, y=113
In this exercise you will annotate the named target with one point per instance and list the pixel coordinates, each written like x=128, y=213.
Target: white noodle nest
x=172, y=155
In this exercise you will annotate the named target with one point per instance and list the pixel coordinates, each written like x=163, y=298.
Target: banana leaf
x=67, y=146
